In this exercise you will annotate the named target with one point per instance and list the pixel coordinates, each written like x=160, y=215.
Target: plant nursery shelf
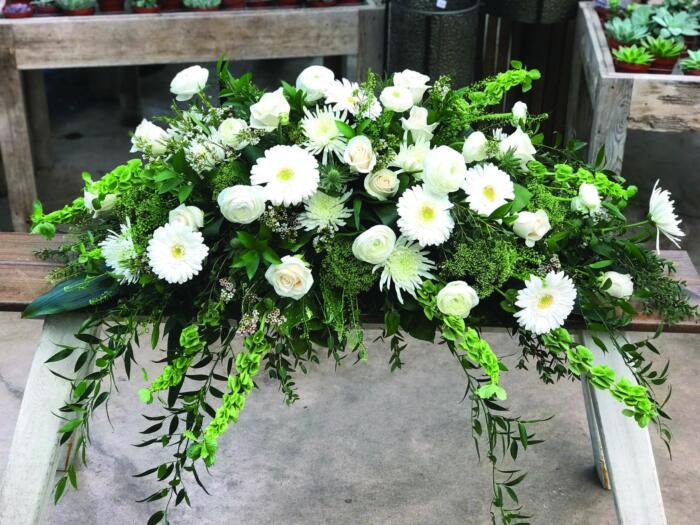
x=603, y=103
x=128, y=39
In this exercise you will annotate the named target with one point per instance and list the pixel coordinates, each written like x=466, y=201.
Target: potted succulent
x=111, y=6
x=624, y=32
x=202, y=5
x=17, y=10
x=607, y=9
x=45, y=7
x=232, y=4
x=691, y=65
x=665, y=52
x=77, y=7
x=680, y=24
x=632, y=59
x=144, y=6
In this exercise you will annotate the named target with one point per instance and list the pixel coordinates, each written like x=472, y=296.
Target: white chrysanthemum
x=325, y=212
x=289, y=173
x=663, y=215
x=322, y=133
x=410, y=158
x=424, y=216
x=545, y=303
x=487, y=188
x=343, y=95
x=175, y=252
x=120, y=253
x=406, y=267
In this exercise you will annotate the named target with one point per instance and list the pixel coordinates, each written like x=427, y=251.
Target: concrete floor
x=362, y=445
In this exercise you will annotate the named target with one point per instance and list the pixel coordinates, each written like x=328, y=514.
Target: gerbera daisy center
x=489, y=193
x=427, y=213
x=285, y=174
x=545, y=301
x=177, y=251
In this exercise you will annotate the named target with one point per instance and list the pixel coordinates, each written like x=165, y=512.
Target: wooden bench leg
x=622, y=450
x=34, y=453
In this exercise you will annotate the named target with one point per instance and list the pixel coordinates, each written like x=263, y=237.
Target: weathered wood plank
x=664, y=105
x=370, y=42
x=611, y=108
x=38, y=115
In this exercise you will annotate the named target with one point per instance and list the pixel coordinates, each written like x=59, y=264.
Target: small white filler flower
x=289, y=174
x=175, y=252
x=545, y=303
x=406, y=267
x=662, y=214
x=324, y=212
x=322, y=134
x=424, y=216
x=487, y=188
x=120, y=253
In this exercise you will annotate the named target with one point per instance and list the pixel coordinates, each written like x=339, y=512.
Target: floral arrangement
x=285, y=219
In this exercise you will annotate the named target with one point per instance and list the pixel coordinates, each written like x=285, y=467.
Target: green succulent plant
x=72, y=5
x=641, y=14
x=692, y=62
x=43, y=3
x=625, y=30
x=144, y=3
x=201, y=4
x=675, y=25
x=663, y=47
x=633, y=55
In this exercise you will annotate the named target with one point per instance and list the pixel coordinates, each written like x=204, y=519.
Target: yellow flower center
x=545, y=301
x=427, y=213
x=285, y=174
x=489, y=193
x=177, y=251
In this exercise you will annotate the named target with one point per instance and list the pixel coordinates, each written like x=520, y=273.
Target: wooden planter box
x=604, y=104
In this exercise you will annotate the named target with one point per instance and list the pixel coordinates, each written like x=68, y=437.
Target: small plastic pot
x=625, y=67
x=612, y=43
x=348, y=2
x=111, y=6
x=46, y=10
x=663, y=66
x=145, y=10
x=25, y=11
x=170, y=5
x=290, y=3
x=232, y=4
x=320, y=3
x=692, y=72
x=256, y=4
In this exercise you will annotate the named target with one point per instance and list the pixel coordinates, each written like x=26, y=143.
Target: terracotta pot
x=348, y=2
x=612, y=43
x=46, y=10
x=624, y=67
x=663, y=66
x=170, y=5
x=320, y=3
x=289, y=3
x=25, y=13
x=145, y=10
x=692, y=72
x=232, y=4
x=83, y=11
x=203, y=9
x=255, y=4
x=111, y=6
x=602, y=13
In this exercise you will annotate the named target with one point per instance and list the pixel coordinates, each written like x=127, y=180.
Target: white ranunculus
x=521, y=145
x=519, y=112
x=374, y=245
x=314, y=81
x=396, y=99
x=359, y=154
x=291, y=278
x=270, y=111
x=416, y=83
x=149, y=138
x=622, y=286
x=417, y=124
x=242, y=204
x=108, y=202
x=531, y=226
x=188, y=82
x=457, y=298
x=475, y=148
x=444, y=170
x=382, y=184
x=588, y=199
x=190, y=216
x=230, y=131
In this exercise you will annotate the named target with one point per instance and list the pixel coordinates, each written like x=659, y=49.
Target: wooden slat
x=665, y=105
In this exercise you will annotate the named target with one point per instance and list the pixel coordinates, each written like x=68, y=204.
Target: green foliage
x=633, y=55
x=675, y=25
x=226, y=175
x=341, y=270
x=692, y=62
x=72, y=5
x=201, y=4
x=663, y=47
x=625, y=31
x=543, y=199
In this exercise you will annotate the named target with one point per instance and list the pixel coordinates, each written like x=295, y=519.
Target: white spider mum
x=324, y=212
x=424, y=216
x=406, y=267
x=322, y=133
x=120, y=254
x=545, y=303
x=663, y=215
x=487, y=188
x=343, y=95
x=289, y=174
x=410, y=157
x=175, y=252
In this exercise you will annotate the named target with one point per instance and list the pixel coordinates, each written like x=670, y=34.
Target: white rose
x=230, y=131
x=475, y=148
x=292, y=278
x=588, y=199
x=188, y=82
x=108, y=202
x=622, y=286
x=415, y=82
x=382, y=184
x=417, y=124
x=531, y=226
x=315, y=81
x=519, y=112
x=396, y=99
x=374, y=245
x=190, y=216
x=457, y=298
x=444, y=170
x=359, y=154
x=270, y=111
x=149, y=138
x=521, y=145
x=242, y=204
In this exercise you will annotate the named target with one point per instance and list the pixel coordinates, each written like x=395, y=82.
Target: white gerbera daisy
x=424, y=216
x=175, y=252
x=289, y=173
x=322, y=133
x=406, y=267
x=120, y=254
x=410, y=158
x=343, y=95
x=663, y=215
x=324, y=212
x=487, y=188
x=545, y=303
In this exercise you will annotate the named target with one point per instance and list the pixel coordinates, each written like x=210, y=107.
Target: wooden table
x=604, y=104
x=165, y=38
